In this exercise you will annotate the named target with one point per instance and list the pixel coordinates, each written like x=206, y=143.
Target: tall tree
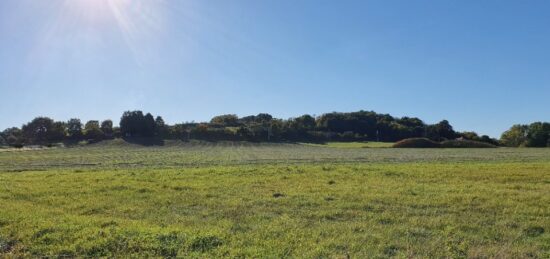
x=135, y=124
x=74, y=129
x=148, y=125
x=160, y=127
x=107, y=128
x=131, y=123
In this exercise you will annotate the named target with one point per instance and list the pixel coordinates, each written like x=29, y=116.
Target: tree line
x=533, y=135
x=335, y=126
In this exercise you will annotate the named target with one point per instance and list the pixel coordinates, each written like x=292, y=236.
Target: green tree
x=149, y=125
x=134, y=124
x=38, y=131
x=59, y=131
x=538, y=134
x=74, y=129
x=227, y=120
x=441, y=131
x=161, y=129
x=13, y=136
x=92, y=130
x=131, y=123
x=514, y=137
x=107, y=128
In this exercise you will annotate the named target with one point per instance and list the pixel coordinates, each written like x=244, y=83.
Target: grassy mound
x=427, y=143
x=465, y=144
x=416, y=143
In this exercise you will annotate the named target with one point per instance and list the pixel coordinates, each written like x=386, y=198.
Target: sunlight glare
x=138, y=22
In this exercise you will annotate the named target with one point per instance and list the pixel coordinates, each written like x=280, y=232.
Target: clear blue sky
x=483, y=65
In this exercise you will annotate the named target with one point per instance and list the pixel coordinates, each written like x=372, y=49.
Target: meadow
x=231, y=199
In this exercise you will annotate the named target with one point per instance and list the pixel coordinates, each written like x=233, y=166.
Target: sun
x=138, y=22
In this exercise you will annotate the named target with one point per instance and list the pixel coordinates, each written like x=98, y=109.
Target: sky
x=482, y=65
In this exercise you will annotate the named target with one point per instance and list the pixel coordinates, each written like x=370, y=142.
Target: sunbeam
x=138, y=23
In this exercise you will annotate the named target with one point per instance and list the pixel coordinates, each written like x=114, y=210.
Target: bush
x=465, y=144
x=416, y=143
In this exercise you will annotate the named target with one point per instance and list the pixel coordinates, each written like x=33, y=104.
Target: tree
x=304, y=123
x=445, y=130
x=74, y=129
x=135, y=124
x=264, y=118
x=440, y=131
x=59, y=131
x=160, y=127
x=131, y=123
x=538, y=134
x=470, y=135
x=514, y=137
x=92, y=130
x=13, y=136
x=107, y=128
x=489, y=140
x=38, y=131
x=227, y=120
x=149, y=125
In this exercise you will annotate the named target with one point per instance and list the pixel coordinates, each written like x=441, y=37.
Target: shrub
x=416, y=143
x=465, y=144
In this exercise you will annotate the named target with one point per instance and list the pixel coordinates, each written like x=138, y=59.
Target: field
x=198, y=199
x=354, y=144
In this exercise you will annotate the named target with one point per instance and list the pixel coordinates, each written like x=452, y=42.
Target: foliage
x=228, y=120
x=358, y=126
x=92, y=130
x=135, y=124
x=538, y=134
x=13, y=136
x=161, y=129
x=441, y=131
x=470, y=135
x=534, y=135
x=43, y=130
x=107, y=128
x=74, y=129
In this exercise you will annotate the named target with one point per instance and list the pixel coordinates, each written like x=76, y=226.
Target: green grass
x=274, y=200
x=354, y=144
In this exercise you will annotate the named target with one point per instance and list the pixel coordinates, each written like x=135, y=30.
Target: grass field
x=354, y=144
x=274, y=200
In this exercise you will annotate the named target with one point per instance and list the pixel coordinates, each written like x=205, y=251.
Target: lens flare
x=138, y=23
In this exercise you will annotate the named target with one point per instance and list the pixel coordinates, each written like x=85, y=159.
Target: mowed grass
x=75, y=202
x=355, y=144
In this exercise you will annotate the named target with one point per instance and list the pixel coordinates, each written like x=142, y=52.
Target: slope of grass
x=354, y=144
x=175, y=154
x=241, y=200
